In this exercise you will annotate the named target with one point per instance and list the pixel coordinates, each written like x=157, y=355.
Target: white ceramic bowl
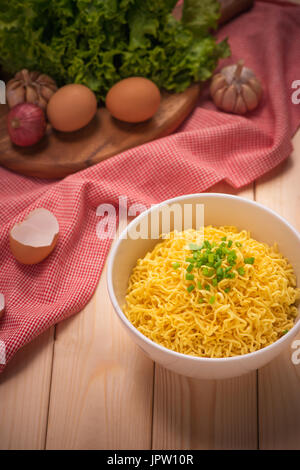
x=220, y=209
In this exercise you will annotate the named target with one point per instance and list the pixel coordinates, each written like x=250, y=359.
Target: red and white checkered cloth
x=209, y=147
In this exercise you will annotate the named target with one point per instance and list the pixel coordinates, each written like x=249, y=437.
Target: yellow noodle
x=257, y=310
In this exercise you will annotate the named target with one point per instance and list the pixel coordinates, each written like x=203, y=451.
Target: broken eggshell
x=32, y=240
x=2, y=305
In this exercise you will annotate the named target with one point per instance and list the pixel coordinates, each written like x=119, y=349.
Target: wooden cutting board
x=60, y=154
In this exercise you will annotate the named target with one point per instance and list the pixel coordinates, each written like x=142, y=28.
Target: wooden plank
x=205, y=414
x=279, y=382
x=102, y=384
x=24, y=395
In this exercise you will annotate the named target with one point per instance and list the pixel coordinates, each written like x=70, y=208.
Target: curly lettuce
x=99, y=42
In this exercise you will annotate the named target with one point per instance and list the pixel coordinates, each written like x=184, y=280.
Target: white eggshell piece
x=37, y=230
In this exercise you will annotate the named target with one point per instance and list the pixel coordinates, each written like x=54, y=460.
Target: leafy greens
x=99, y=42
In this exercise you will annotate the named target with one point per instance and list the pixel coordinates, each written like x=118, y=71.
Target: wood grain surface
x=59, y=154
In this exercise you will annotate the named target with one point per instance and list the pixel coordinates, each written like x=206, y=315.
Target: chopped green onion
x=189, y=277
x=285, y=332
x=200, y=301
x=220, y=272
x=231, y=260
x=176, y=265
x=211, y=258
x=229, y=275
x=205, y=272
x=195, y=247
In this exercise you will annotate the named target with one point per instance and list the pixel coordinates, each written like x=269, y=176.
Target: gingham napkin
x=209, y=147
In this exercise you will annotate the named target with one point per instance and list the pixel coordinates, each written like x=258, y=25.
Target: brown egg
x=134, y=99
x=71, y=107
x=32, y=240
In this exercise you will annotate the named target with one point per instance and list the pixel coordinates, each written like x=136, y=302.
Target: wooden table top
x=85, y=385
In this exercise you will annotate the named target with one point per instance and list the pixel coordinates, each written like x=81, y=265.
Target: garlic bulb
x=236, y=89
x=30, y=87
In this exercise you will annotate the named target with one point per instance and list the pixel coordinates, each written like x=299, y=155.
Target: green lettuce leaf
x=200, y=16
x=99, y=42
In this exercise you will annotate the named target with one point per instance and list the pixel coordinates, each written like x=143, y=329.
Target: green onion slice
x=190, y=288
x=189, y=277
x=195, y=247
